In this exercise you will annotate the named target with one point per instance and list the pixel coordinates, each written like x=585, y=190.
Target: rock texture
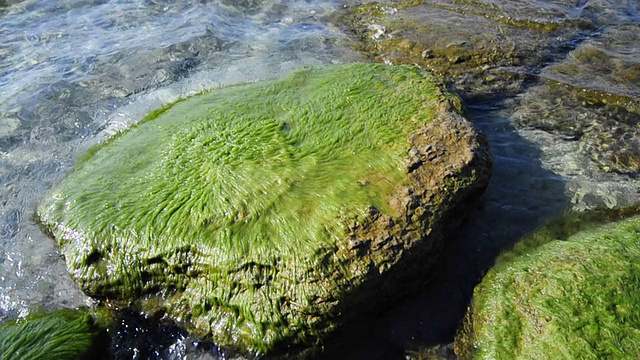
x=593, y=97
x=481, y=47
x=265, y=215
x=570, y=290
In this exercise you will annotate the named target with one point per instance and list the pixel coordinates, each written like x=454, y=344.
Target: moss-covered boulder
x=61, y=335
x=569, y=291
x=266, y=214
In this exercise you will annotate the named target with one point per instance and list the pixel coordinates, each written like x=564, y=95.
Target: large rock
x=266, y=214
x=568, y=291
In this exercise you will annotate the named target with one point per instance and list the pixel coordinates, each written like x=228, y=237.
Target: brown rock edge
x=449, y=166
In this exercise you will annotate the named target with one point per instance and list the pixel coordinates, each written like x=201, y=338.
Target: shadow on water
x=521, y=196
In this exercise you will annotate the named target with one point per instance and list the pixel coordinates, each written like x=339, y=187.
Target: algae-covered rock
x=568, y=291
x=265, y=214
x=61, y=335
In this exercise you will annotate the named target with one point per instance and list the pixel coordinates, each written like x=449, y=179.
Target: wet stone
x=566, y=291
x=593, y=96
x=482, y=48
x=265, y=215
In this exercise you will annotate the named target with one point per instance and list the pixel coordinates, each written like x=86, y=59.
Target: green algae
x=61, y=335
x=234, y=204
x=281, y=152
x=569, y=290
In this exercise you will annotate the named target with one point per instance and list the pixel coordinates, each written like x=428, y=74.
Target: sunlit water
x=74, y=72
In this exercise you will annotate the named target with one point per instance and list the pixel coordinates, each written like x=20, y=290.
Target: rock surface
x=267, y=214
x=569, y=290
x=481, y=47
x=593, y=97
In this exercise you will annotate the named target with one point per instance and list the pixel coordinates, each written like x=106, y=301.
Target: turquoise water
x=74, y=72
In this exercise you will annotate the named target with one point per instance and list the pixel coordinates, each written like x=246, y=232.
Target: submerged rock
x=568, y=68
x=61, y=335
x=266, y=214
x=482, y=47
x=569, y=290
x=593, y=96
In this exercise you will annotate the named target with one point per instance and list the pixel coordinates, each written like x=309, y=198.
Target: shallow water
x=74, y=72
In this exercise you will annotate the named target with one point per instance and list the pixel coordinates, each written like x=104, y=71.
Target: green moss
x=563, y=227
x=233, y=203
x=280, y=153
x=61, y=335
x=556, y=298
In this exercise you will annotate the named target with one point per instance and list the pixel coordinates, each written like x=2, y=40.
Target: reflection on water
x=72, y=72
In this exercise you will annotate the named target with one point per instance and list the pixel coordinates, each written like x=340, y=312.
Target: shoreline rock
x=482, y=49
x=572, y=69
x=264, y=215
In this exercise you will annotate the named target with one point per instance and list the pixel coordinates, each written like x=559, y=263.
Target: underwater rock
x=264, y=215
x=60, y=335
x=568, y=291
x=593, y=96
x=481, y=47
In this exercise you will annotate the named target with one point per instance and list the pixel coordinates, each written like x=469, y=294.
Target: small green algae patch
x=560, y=296
x=61, y=335
x=235, y=205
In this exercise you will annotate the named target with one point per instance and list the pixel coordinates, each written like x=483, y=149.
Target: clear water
x=73, y=72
